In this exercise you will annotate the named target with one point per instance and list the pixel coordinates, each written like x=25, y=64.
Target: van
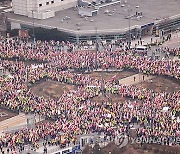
x=140, y=49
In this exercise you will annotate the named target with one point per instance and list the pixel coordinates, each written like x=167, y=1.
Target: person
x=45, y=150
x=88, y=116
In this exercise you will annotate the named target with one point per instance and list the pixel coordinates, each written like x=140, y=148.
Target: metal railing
x=167, y=19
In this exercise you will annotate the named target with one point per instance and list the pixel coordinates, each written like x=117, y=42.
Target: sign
x=89, y=42
x=8, y=35
x=37, y=66
x=109, y=115
x=165, y=109
x=23, y=33
x=130, y=106
x=18, y=91
x=178, y=119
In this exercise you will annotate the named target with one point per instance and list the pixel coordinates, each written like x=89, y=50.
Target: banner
x=23, y=33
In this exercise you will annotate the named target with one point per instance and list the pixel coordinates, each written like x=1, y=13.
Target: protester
x=75, y=113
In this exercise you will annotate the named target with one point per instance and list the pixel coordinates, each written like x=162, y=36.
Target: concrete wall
x=31, y=5
x=41, y=15
x=55, y=5
x=20, y=7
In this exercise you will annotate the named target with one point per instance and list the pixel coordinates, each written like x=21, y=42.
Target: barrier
x=11, y=122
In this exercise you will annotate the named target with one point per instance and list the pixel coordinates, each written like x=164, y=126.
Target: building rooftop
x=109, y=18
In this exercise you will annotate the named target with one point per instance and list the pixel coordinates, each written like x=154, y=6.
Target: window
x=40, y=5
x=47, y=3
x=52, y=2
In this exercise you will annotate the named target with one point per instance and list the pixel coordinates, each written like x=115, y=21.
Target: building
x=41, y=9
x=3, y=24
x=112, y=22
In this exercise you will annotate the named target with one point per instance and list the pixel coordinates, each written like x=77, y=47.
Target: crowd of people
x=75, y=112
x=64, y=60
x=172, y=51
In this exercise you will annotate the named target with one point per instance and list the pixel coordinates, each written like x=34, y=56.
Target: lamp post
x=33, y=27
x=103, y=87
x=96, y=50
x=27, y=74
x=129, y=25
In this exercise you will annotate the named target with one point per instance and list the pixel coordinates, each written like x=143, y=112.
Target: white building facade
x=41, y=9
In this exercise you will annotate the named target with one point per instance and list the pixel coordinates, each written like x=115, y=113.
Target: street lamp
x=102, y=87
x=96, y=50
x=33, y=27
x=27, y=74
x=129, y=25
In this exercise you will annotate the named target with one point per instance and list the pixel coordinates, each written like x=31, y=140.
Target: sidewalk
x=147, y=40
x=135, y=79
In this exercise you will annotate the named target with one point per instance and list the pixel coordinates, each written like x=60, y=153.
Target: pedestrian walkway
x=145, y=41
x=152, y=39
x=135, y=79
x=173, y=43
